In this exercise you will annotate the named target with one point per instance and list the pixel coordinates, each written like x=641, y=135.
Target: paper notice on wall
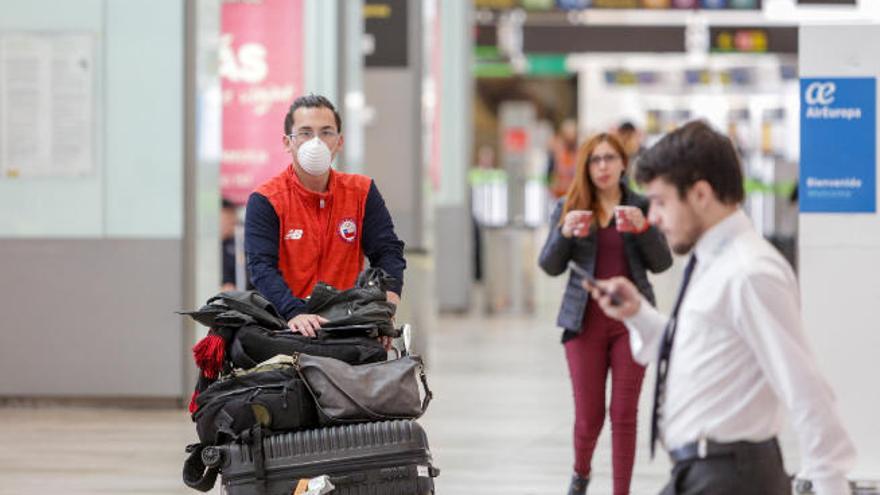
x=47, y=105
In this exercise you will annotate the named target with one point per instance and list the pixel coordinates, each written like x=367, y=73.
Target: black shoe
x=578, y=485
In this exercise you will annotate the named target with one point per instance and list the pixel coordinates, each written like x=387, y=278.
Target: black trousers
x=749, y=469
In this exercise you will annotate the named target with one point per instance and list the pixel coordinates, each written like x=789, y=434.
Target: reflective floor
x=507, y=429
x=500, y=424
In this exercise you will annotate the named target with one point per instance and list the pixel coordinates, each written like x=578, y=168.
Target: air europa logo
x=820, y=93
x=819, y=96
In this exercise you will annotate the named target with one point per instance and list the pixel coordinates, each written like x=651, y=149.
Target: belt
x=704, y=448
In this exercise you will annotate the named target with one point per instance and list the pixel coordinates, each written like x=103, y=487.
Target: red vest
x=319, y=237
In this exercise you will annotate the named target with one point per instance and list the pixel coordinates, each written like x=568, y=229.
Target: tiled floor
x=500, y=425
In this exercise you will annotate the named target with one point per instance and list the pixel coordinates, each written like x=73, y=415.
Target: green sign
x=547, y=65
x=539, y=4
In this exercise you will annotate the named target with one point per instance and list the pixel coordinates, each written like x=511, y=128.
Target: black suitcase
x=382, y=458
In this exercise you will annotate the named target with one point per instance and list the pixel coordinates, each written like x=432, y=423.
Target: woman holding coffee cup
x=601, y=225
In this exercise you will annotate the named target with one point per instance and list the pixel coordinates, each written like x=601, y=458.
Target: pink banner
x=261, y=74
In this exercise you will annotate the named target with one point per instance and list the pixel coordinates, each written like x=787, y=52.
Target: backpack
x=271, y=394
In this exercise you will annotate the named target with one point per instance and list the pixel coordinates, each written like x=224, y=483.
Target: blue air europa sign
x=838, y=166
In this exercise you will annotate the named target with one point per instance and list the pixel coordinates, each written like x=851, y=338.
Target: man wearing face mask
x=311, y=223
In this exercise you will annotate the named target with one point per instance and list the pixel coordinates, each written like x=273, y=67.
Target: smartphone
x=591, y=280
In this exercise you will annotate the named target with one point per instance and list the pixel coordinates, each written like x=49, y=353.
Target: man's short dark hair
x=692, y=153
x=310, y=101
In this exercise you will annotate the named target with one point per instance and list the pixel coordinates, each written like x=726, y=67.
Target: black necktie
x=665, y=351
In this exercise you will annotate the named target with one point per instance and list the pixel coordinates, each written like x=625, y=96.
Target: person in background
x=311, y=223
x=631, y=138
x=600, y=225
x=562, y=153
x=479, y=193
x=733, y=352
x=228, y=221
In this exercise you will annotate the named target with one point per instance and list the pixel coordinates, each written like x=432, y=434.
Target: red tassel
x=208, y=354
x=192, y=402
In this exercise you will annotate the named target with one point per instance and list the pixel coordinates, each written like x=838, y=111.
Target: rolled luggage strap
x=195, y=474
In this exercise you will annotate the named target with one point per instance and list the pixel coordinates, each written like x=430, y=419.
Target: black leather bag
x=237, y=308
x=365, y=304
x=254, y=344
x=271, y=395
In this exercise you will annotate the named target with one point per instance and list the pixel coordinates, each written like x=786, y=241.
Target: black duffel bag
x=254, y=344
x=271, y=395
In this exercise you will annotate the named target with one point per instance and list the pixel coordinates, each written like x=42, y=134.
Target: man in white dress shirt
x=733, y=354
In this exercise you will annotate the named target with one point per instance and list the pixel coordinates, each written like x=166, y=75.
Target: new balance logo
x=293, y=235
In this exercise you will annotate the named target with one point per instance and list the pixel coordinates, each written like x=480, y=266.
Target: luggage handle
x=349, y=479
x=406, y=334
x=424, y=379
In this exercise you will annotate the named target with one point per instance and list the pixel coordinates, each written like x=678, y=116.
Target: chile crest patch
x=347, y=229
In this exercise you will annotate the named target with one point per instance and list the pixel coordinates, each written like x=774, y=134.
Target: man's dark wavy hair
x=691, y=153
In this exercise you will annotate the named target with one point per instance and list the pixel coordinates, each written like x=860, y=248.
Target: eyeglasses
x=609, y=158
x=303, y=135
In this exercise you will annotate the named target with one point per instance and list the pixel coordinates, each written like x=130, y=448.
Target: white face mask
x=314, y=157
